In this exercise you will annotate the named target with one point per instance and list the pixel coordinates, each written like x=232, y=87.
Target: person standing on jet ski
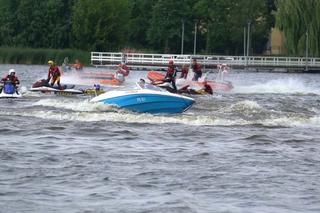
x=54, y=74
x=196, y=69
x=123, y=69
x=12, y=78
x=184, y=71
x=171, y=75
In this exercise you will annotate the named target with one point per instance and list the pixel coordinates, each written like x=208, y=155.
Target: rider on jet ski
x=169, y=78
x=123, y=69
x=54, y=74
x=12, y=78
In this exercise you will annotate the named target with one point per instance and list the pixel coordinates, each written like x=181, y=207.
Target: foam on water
x=281, y=86
x=186, y=119
x=246, y=106
x=24, y=89
x=130, y=118
x=85, y=111
x=75, y=105
x=296, y=121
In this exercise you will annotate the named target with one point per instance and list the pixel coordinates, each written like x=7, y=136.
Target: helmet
x=142, y=80
x=171, y=62
x=11, y=71
x=96, y=86
x=50, y=62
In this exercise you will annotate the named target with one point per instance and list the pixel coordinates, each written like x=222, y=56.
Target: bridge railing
x=112, y=58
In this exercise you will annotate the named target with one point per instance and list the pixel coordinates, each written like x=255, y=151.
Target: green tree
x=140, y=21
x=165, y=28
x=296, y=18
x=224, y=21
x=100, y=25
x=213, y=18
x=258, y=13
x=109, y=25
x=8, y=22
x=36, y=23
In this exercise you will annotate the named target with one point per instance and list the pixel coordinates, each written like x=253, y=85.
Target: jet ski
x=9, y=91
x=217, y=84
x=43, y=86
x=147, y=99
x=113, y=79
x=94, y=91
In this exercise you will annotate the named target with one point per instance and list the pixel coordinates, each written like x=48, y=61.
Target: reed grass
x=13, y=55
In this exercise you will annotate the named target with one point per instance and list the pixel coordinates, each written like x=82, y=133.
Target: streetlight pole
x=244, y=42
x=248, y=38
x=195, y=38
x=307, y=49
x=182, y=37
x=248, y=42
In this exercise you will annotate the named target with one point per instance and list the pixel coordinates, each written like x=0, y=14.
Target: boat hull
x=155, y=76
x=146, y=102
x=98, y=78
x=5, y=96
x=45, y=89
x=113, y=82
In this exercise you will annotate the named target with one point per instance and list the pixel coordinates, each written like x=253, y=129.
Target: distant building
x=277, y=41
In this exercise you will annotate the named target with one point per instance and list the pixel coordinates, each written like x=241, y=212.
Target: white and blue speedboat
x=147, y=99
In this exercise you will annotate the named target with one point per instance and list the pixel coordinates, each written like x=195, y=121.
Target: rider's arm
x=49, y=73
x=17, y=81
x=3, y=80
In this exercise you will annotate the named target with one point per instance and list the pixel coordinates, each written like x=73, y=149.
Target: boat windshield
x=143, y=85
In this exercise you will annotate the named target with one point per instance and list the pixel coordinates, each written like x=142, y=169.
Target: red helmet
x=171, y=62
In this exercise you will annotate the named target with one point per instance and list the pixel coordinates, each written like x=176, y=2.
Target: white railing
x=111, y=58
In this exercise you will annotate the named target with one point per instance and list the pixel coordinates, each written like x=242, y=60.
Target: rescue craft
x=147, y=99
x=9, y=91
x=103, y=78
x=43, y=86
x=217, y=84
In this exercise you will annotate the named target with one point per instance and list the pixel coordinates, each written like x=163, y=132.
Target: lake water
x=255, y=149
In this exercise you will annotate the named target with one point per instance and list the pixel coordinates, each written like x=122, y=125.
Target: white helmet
x=11, y=71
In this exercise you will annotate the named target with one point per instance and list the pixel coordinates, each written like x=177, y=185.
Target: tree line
x=156, y=25
x=300, y=22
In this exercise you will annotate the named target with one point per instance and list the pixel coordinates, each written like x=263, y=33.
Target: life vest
x=54, y=71
x=197, y=68
x=13, y=79
x=184, y=72
x=171, y=72
x=123, y=69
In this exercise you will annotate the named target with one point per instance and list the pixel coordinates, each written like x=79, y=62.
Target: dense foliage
x=35, y=23
x=300, y=22
x=155, y=25
x=100, y=25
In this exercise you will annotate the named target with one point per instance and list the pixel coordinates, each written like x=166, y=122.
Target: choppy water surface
x=256, y=149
